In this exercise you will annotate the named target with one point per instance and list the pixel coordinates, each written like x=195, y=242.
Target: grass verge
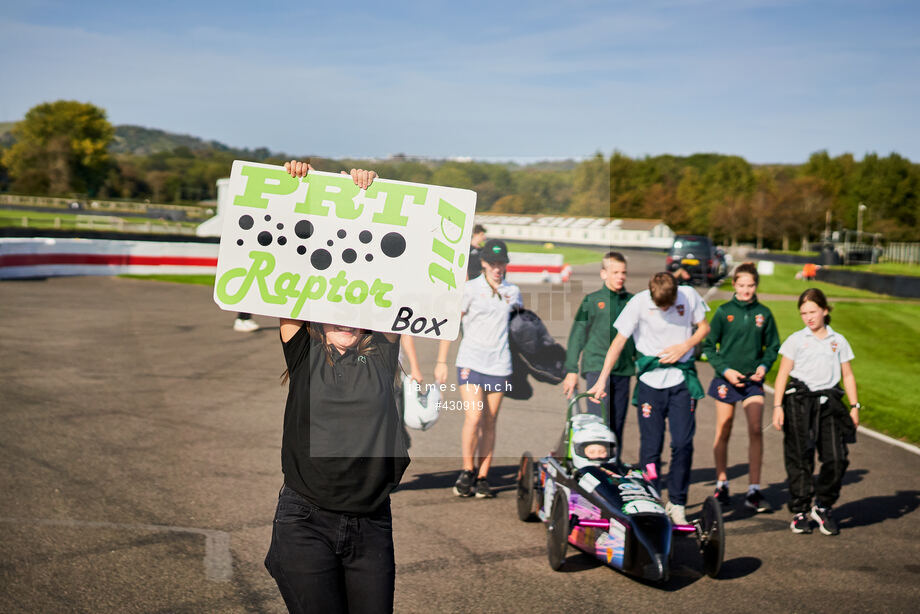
x=885, y=338
x=570, y=255
x=884, y=268
x=783, y=281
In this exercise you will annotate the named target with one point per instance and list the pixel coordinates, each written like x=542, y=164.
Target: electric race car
x=588, y=498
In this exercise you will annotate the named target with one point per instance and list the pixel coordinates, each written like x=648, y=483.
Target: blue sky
x=769, y=80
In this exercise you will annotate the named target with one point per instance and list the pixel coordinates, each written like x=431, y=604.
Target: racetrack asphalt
x=140, y=446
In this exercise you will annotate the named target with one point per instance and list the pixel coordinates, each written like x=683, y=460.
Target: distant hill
x=142, y=141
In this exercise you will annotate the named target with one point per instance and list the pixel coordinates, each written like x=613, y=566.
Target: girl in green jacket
x=742, y=346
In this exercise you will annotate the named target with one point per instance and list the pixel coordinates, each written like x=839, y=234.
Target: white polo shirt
x=484, y=346
x=653, y=329
x=817, y=361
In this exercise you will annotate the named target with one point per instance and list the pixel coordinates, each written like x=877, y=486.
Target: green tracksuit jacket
x=743, y=336
x=593, y=330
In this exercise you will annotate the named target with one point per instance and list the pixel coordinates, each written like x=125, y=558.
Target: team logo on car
x=601, y=305
x=758, y=320
x=680, y=309
x=730, y=318
x=723, y=391
x=646, y=410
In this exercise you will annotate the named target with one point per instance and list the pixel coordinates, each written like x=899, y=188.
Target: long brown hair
x=364, y=347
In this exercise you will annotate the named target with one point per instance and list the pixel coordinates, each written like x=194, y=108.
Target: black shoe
x=722, y=496
x=463, y=487
x=483, y=490
x=800, y=523
x=756, y=501
x=826, y=522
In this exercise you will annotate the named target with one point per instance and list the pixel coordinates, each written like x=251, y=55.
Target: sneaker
x=245, y=326
x=483, y=490
x=756, y=501
x=722, y=496
x=826, y=522
x=677, y=513
x=463, y=487
x=800, y=523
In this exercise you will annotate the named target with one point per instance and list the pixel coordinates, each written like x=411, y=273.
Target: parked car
x=698, y=257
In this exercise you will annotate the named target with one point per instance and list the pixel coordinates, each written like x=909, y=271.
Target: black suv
x=696, y=255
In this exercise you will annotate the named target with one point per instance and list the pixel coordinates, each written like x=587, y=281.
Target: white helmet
x=421, y=404
x=587, y=431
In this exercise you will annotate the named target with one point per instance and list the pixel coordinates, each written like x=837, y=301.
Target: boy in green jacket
x=591, y=334
x=742, y=346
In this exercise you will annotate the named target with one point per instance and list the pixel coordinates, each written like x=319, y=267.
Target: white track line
x=866, y=431
x=218, y=562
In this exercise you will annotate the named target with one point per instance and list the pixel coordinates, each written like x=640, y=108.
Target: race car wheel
x=525, y=488
x=557, y=531
x=712, y=541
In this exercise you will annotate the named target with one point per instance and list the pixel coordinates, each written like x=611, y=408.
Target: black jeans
x=329, y=562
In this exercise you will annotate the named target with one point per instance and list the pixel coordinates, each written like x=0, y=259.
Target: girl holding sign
x=483, y=365
x=342, y=454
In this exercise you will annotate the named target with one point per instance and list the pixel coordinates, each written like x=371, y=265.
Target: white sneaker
x=245, y=326
x=677, y=513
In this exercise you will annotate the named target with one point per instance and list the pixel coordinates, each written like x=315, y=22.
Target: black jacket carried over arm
x=797, y=394
x=533, y=352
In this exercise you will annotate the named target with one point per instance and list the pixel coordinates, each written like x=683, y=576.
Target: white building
x=625, y=232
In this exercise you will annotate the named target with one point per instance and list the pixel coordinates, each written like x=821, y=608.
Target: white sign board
x=391, y=258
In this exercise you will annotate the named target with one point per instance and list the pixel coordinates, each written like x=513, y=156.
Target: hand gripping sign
x=390, y=258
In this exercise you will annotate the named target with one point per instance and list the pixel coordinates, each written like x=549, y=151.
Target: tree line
x=69, y=148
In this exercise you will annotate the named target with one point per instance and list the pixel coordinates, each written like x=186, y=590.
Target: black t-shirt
x=474, y=264
x=342, y=446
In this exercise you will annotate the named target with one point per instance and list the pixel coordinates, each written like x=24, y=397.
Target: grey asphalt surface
x=140, y=452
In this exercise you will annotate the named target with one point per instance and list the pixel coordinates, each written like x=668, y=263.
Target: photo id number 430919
x=454, y=405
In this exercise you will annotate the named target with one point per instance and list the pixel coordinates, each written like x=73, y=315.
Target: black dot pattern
x=304, y=229
x=321, y=259
x=393, y=244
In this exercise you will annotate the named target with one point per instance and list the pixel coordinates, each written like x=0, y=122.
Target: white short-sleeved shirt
x=653, y=329
x=484, y=346
x=817, y=361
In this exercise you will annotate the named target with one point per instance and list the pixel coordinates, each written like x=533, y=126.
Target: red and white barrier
x=532, y=268
x=50, y=257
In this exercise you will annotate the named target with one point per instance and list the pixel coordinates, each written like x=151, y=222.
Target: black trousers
x=329, y=562
x=810, y=425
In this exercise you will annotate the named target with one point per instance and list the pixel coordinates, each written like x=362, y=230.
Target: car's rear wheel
x=557, y=531
x=525, y=488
